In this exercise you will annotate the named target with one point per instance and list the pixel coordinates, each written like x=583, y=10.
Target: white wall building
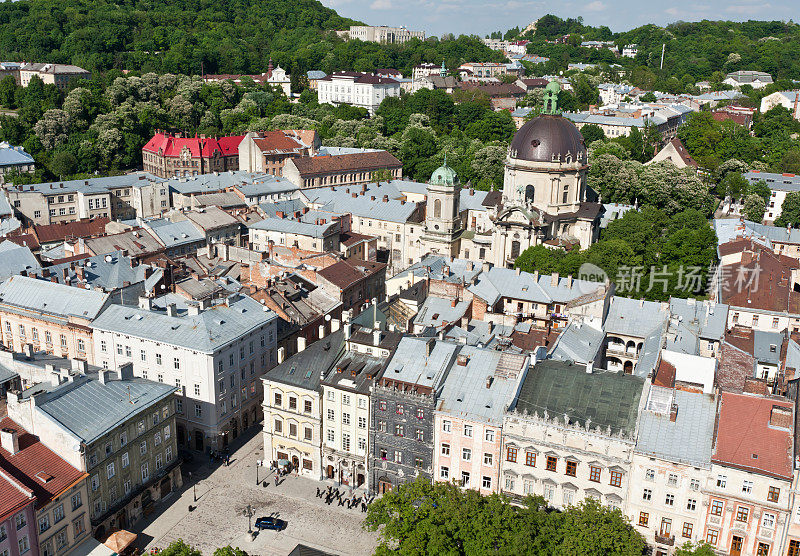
x=363, y=90
x=214, y=354
x=384, y=34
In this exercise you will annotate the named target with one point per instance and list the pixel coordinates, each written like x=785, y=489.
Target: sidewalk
x=223, y=494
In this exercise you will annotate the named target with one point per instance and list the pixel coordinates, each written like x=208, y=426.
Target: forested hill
x=694, y=51
x=227, y=36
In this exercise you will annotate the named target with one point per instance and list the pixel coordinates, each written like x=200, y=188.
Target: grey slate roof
x=212, y=329
x=338, y=200
x=109, y=272
x=289, y=226
x=776, y=182
x=94, y=185
x=608, y=399
x=90, y=409
x=505, y=282
x=459, y=269
x=634, y=317
x=579, y=342
x=174, y=234
x=13, y=156
x=465, y=393
x=613, y=211
x=435, y=311
x=767, y=347
x=410, y=363
x=304, y=369
x=14, y=258
x=49, y=297
x=692, y=321
x=687, y=440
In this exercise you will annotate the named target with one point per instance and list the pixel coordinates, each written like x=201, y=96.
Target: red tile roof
x=683, y=153
x=37, y=467
x=746, y=440
x=355, y=162
x=169, y=145
x=349, y=271
x=60, y=231
x=13, y=496
x=275, y=142
x=25, y=240
x=772, y=291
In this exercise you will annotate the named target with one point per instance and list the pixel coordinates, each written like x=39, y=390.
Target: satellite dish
x=327, y=318
x=76, y=448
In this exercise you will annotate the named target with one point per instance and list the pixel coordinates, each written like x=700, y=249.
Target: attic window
x=291, y=370
x=772, y=348
x=535, y=143
x=44, y=477
x=755, y=456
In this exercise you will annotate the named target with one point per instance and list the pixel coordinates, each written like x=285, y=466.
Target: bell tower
x=443, y=212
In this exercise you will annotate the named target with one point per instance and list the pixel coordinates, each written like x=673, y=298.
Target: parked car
x=270, y=523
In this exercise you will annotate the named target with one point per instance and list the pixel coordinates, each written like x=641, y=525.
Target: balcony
x=668, y=540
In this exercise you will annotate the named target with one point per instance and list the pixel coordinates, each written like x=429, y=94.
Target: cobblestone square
x=223, y=493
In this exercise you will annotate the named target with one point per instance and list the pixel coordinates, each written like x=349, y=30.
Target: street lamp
x=258, y=464
x=249, y=513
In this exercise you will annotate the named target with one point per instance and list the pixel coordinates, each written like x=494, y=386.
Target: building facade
x=170, y=156
x=363, y=90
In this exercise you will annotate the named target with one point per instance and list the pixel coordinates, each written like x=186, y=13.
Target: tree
x=754, y=208
x=592, y=133
x=180, y=548
x=648, y=97
x=790, y=210
x=63, y=164
x=229, y=551
x=700, y=549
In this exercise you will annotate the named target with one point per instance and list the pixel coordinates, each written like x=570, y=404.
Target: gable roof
x=49, y=297
x=172, y=146
x=366, y=161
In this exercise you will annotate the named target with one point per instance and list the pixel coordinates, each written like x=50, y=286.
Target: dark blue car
x=270, y=523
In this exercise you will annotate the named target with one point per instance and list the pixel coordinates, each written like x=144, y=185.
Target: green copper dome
x=444, y=175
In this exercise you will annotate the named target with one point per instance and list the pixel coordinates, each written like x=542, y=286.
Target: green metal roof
x=558, y=387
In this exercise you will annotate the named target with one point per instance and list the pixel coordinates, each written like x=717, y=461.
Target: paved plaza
x=223, y=493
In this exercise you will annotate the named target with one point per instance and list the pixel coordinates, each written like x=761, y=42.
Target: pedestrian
x=227, y=459
x=317, y=492
x=363, y=507
x=276, y=480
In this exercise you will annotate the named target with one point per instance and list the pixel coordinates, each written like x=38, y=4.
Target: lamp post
x=258, y=464
x=249, y=513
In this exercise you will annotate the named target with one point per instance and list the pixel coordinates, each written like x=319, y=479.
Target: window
x=95, y=482
x=158, y=359
x=331, y=436
x=594, y=474
x=672, y=479
x=466, y=454
x=381, y=404
x=293, y=430
x=398, y=456
x=691, y=504
x=346, y=442
x=307, y=406
x=24, y=546
x=292, y=399
x=694, y=484
x=468, y=430
x=362, y=442
x=768, y=520
x=488, y=459
x=616, y=479
x=44, y=523
x=712, y=537
x=176, y=363
x=763, y=549
x=530, y=459
x=127, y=349
x=76, y=501
x=670, y=500
x=331, y=415
x=552, y=462
x=362, y=422
x=143, y=447
x=198, y=410
x=145, y=472
x=464, y=478
x=716, y=507
x=487, y=482
x=747, y=487
x=650, y=475
x=647, y=494
x=420, y=435
x=399, y=430
x=572, y=469
x=666, y=526
x=110, y=471
x=61, y=539
x=489, y=436
x=125, y=460
x=794, y=548
x=722, y=480
x=774, y=494
x=686, y=532
x=444, y=472
x=420, y=413
x=511, y=454
x=345, y=418
x=445, y=449
x=20, y=520
x=399, y=409
x=644, y=518
x=78, y=527
x=742, y=513
x=446, y=426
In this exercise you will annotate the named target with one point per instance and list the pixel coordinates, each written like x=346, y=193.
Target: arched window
x=529, y=193
x=437, y=208
x=514, y=249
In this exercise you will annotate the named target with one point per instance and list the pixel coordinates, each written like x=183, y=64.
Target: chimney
x=301, y=343
x=9, y=440
x=104, y=376
x=429, y=347
x=554, y=279
x=781, y=417
x=321, y=331
x=65, y=274
x=194, y=310
x=125, y=371
x=171, y=311
x=376, y=337
x=348, y=329
x=453, y=302
x=335, y=325
x=569, y=281
x=79, y=365
x=673, y=412
x=589, y=367
x=27, y=349
x=462, y=360
x=281, y=354
x=145, y=303
x=536, y=275
x=489, y=380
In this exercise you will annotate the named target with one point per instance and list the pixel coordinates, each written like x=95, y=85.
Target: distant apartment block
x=268, y=151
x=343, y=169
x=363, y=90
x=384, y=34
x=52, y=74
x=14, y=160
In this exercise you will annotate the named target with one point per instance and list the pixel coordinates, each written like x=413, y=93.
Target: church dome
x=546, y=138
x=444, y=175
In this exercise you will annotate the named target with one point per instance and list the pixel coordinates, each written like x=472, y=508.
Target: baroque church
x=545, y=199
